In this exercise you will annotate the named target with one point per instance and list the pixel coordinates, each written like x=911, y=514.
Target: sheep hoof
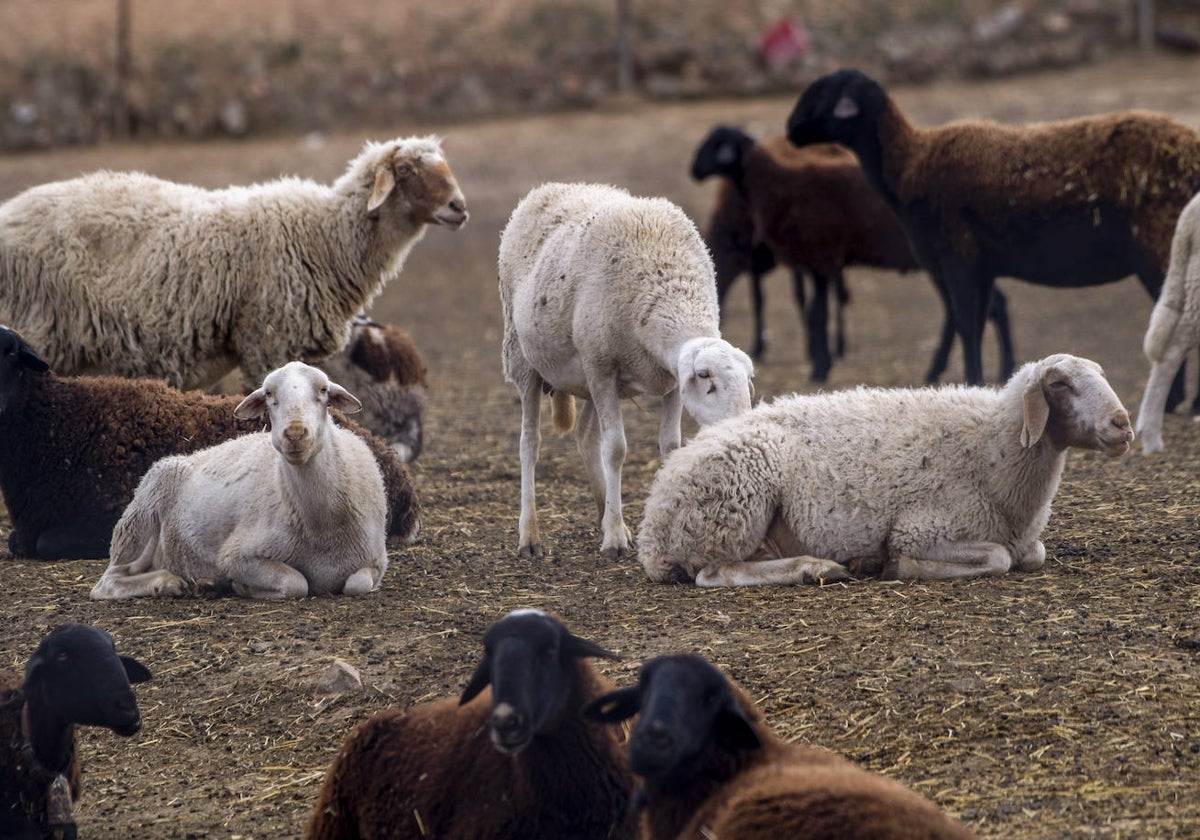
x=612, y=552
x=530, y=551
x=833, y=574
x=170, y=586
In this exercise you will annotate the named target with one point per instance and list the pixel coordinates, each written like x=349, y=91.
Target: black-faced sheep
x=816, y=212
x=124, y=274
x=73, y=449
x=1074, y=203
x=605, y=296
x=738, y=249
x=903, y=482
x=711, y=768
x=515, y=761
x=74, y=678
x=1174, y=328
x=383, y=367
x=294, y=511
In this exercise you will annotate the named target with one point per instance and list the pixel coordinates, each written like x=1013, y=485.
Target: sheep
x=72, y=450
x=294, y=511
x=1075, y=203
x=606, y=295
x=817, y=212
x=736, y=247
x=541, y=771
x=75, y=677
x=712, y=768
x=383, y=367
x=907, y=483
x=1174, y=328
x=129, y=275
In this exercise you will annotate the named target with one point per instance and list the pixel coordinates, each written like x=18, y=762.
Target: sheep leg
x=1154, y=400
x=607, y=404
x=73, y=542
x=529, y=541
x=760, y=329
x=782, y=571
x=363, y=581
x=669, y=434
x=970, y=296
x=264, y=579
x=998, y=315
x=1152, y=281
x=818, y=329
x=587, y=440
x=951, y=560
x=941, y=356
x=141, y=577
x=843, y=298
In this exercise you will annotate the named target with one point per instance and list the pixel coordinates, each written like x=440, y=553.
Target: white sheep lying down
x=906, y=483
x=606, y=296
x=294, y=511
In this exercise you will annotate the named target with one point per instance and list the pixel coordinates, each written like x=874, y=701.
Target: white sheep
x=1174, y=327
x=294, y=511
x=606, y=295
x=909, y=483
x=126, y=274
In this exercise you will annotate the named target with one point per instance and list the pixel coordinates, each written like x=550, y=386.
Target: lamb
x=129, y=275
x=606, y=295
x=737, y=248
x=383, y=367
x=1174, y=328
x=1075, y=203
x=541, y=772
x=816, y=212
x=712, y=768
x=72, y=450
x=906, y=483
x=294, y=511
x=75, y=677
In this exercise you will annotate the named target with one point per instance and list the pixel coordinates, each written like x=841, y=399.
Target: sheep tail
x=562, y=412
x=1171, y=300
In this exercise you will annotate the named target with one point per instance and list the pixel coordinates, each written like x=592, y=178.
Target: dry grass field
x=1058, y=704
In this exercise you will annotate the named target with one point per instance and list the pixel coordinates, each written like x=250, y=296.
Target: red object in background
x=782, y=43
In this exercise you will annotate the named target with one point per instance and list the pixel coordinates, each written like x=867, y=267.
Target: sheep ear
x=615, y=706
x=1037, y=414
x=734, y=731
x=254, y=406
x=480, y=680
x=30, y=360
x=343, y=400
x=574, y=646
x=134, y=670
x=845, y=108
x=385, y=182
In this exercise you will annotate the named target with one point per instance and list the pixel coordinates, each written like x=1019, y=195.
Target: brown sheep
x=1074, y=203
x=711, y=768
x=817, y=212
x=74, y=678
x=72, y=450
x=516, y=761
x=382, y=366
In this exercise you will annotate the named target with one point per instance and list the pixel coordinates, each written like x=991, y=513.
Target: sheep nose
x=506, y=719
x=1121, y=422
x=458, y=205
x=295, y=432
x=657, y=737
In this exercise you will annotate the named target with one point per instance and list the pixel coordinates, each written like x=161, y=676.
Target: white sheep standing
x=607, y=295
x=294, y=511
x=1174, y=327
x=908, y=483
x=125, y=274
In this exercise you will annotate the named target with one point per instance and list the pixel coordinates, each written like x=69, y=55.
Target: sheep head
x=528, y=660
x=685, y=707
x=721, y=153
x=297, y=398
x=1068, y=401
x=840, y=107
x=411, y=179
x=714, y=379
x=76, y=677
x=16, y=359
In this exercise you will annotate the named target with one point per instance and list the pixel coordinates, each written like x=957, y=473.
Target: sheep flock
x=995, y=635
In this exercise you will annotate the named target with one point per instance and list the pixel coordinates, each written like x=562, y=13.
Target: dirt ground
x=1055, y=704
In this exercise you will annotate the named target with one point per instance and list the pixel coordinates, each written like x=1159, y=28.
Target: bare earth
x=1056, y=704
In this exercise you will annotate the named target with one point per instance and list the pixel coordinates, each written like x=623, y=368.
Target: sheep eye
x=704, y=374
x=404, y=169
x=324, y=390
x=62, y=656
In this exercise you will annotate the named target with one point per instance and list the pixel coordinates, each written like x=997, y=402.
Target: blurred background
x=84, y=71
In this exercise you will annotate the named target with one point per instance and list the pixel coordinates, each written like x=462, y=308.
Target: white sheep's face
x=296, y=398
x=1070, y=402
x=414, y=182
x=714, y=380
